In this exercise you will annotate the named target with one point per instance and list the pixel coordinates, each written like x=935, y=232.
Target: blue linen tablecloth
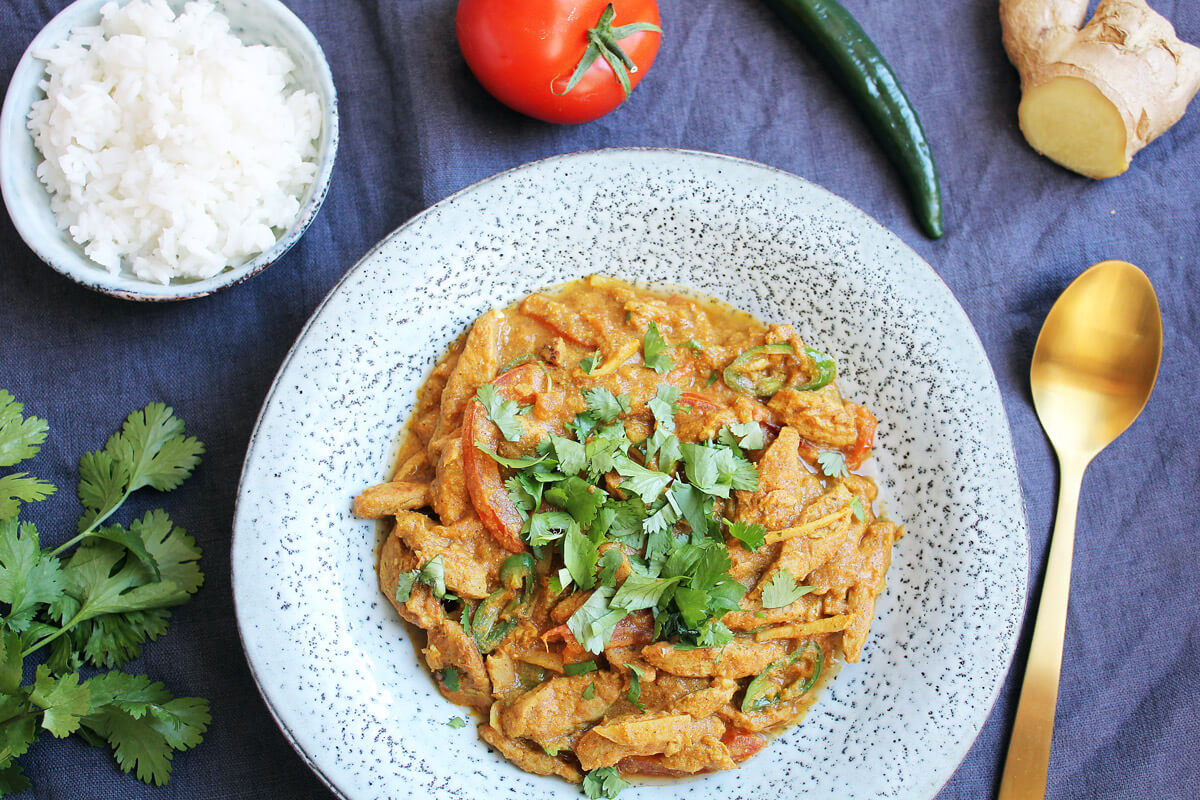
x=729, y=78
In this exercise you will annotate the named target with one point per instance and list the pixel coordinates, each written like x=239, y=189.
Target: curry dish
x=629, y=525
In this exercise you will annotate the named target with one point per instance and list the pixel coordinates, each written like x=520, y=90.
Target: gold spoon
x=1093, y=370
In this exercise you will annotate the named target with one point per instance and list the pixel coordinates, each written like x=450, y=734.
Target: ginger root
x=1093, y=95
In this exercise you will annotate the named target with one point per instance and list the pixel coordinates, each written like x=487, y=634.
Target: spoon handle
x=1028, y=761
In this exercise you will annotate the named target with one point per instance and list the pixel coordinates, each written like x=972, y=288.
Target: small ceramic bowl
x=28, y=201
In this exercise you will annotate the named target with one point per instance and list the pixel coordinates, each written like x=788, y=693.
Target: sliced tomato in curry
x=484, y=484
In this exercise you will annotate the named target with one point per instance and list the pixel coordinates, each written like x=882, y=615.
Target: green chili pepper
x=853, y=60
x=823, y=368
x=487, y=627
x=756, y=696
x=493, y=620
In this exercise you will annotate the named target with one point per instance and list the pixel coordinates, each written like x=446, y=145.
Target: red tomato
x=484, y=484
x=525, y=52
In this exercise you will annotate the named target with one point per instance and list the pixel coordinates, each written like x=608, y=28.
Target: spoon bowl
x=1097, y=358
x=1094, y=367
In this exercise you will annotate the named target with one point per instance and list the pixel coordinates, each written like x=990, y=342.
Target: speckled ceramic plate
x=330, y=655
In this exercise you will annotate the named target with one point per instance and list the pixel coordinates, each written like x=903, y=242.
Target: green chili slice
x=493, y=620
x=824, y=370
x=822, y=367
x=487, y=627
x=757, y=692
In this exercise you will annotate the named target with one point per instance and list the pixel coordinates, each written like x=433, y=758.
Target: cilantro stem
x=90, y=529
x=33, y=648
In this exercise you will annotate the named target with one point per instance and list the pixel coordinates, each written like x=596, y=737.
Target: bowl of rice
x=166, y=149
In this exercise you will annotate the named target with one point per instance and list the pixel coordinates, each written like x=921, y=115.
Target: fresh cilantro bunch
x=96, y=605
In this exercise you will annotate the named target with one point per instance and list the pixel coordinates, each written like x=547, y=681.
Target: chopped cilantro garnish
x=572, y=459
x=643, y=591
x=653, y=351
x=634, y=695
x=605, y=405
x=663, y=406
x=833, y=463
x=750, y=534
x=433, y=575
x=450, y=678
x=749, y=435
x=456, y=722
x=580, y=667
x=589, y=363
x=590, y=691
x=579, y=555
x=593, y=622
x=860, y=513
x=608, y=564
x=603, y=782
x=782, y=590
x=691, y=344
x=500, y=411
x=646, y=483
x=549, y=526
x=512, y=463
x=713, y=378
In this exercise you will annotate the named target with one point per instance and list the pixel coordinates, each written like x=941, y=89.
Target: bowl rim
x=245, y=635
x=66, y=257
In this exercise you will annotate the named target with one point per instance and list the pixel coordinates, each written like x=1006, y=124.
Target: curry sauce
x=629, y=523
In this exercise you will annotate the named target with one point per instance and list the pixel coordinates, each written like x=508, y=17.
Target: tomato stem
x=604, y=42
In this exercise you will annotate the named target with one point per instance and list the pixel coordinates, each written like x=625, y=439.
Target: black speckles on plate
x=333, y=662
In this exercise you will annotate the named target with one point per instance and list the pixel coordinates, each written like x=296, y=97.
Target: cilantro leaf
x=646, y=483
x=605, y=405
x=571, y=455
x=750, y=534
x=692, y=344
x=521, y=462
x=28, y=577
x=625, y=524
x=856, y=507
x=661, y=520
x=456, y=722
x=601, y=452
x=501, y=411
x=145, y=743
x=593, y=622
x=782, y=590
x=20, y=487
x=21, y=728
x=580, y=556
x=20, y=438
x=833, y=463
x=663, y=406
x=634, y=695
x=590, y=691
x=749, y=435
x=549, y=526
x=432, y=574
x=693, y=505
x=63, y=700
x=604, y=782
x=152, y=442
x=643, y=591
x=12, y=778
x=589, y=363
x=450, y=678
x=653, y=351
x=525, y=492
x=608, y=564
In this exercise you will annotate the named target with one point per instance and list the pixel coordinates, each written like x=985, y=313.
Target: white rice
x=172, y=149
